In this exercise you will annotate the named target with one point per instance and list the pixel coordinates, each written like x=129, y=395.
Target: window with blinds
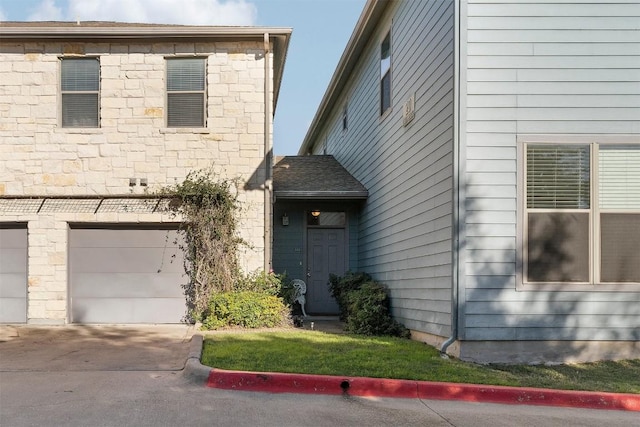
x=80, y=90
x=186, y=92
x=558, y=199
x=561, y=218
x=558, y=177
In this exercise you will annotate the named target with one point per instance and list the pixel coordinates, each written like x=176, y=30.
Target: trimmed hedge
x=247, y=309
x=365, y=306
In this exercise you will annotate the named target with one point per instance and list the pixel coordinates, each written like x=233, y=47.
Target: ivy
x=209, y=210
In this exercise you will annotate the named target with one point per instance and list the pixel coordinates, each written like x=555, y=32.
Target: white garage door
x=13, y=273
x=126, y=275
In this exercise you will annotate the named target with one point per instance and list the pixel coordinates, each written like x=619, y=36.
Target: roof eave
x=321, y=195
x=370, y=16
x=8, y=32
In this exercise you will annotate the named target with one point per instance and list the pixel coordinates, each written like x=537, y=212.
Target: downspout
x=455, y=238
x=268, y=159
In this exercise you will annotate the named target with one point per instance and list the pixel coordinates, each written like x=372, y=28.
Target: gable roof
x=96, y=31
x=315, y=177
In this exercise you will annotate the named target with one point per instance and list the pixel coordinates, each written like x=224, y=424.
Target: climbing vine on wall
x=209, y=210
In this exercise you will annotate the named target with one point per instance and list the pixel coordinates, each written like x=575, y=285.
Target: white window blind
x=80, y=88
x=558, y=177
x=186, y=92
x=619, y=183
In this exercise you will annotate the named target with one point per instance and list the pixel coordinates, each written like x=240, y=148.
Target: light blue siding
x=405, y=228
x=541, y=67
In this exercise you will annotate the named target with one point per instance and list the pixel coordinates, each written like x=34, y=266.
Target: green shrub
x=369, y=312
x=340, y=287
x=287, y=292
x=260, y=281
x=365, y=306
x=245, y=309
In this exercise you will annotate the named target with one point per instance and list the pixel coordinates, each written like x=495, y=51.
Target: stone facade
x=131, y=146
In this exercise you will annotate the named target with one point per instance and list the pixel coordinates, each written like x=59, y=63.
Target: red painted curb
x=528, y=396
x=311, y=384
x=378, y=387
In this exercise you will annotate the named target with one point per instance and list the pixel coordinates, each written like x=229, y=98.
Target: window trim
x=61, y=92
x=594, y=142
x=203, y=92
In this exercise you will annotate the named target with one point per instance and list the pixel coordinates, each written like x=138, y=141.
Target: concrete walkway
x=94, y=348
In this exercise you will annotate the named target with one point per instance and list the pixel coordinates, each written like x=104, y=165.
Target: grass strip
x=313, y=352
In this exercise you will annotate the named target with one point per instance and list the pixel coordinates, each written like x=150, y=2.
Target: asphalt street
x=82, y=386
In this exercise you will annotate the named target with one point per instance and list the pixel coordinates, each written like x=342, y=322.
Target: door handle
x=308, y=273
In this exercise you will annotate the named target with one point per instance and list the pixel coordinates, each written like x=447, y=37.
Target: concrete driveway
x=94, y=348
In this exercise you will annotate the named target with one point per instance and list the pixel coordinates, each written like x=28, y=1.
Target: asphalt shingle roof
x=314, y=177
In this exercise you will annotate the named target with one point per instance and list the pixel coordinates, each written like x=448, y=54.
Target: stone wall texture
x=132, y=144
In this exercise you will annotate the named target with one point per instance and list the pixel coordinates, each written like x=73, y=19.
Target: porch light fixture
x=315, y=214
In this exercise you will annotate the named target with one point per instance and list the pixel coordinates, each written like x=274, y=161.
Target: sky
x=321, y=29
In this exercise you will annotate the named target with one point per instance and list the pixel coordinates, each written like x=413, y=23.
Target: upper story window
x=345, y=118
x=582, y=213
x=80, y=89
x=186, y=92
x=385, y=74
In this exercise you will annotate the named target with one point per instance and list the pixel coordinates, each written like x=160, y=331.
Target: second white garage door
x=126, y=275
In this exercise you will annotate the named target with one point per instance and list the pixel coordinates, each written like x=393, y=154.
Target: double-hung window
x=582, y=213
x=80, y=90
x=385, y=74
x=186, y=92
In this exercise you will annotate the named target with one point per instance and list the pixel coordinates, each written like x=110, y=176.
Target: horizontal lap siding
x=544, y=67
x=405, y=226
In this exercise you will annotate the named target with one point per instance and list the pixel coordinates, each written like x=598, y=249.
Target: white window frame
x=203, y=92
x=63, y=92
x=594, y=283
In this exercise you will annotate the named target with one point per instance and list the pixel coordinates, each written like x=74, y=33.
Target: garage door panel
x=13, y=260
x=132, y=310
x=13, y=237
x=116, y=238
x=13, y=273
x=13, y=310
x=126, y=260
x=140, y=285
x=13, y=286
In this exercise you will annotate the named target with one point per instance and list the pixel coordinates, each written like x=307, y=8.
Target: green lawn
x=312, y=352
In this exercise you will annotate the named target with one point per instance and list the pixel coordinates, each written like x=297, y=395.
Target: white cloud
x=194, y=12
x=46, y=11
x=3, y=17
